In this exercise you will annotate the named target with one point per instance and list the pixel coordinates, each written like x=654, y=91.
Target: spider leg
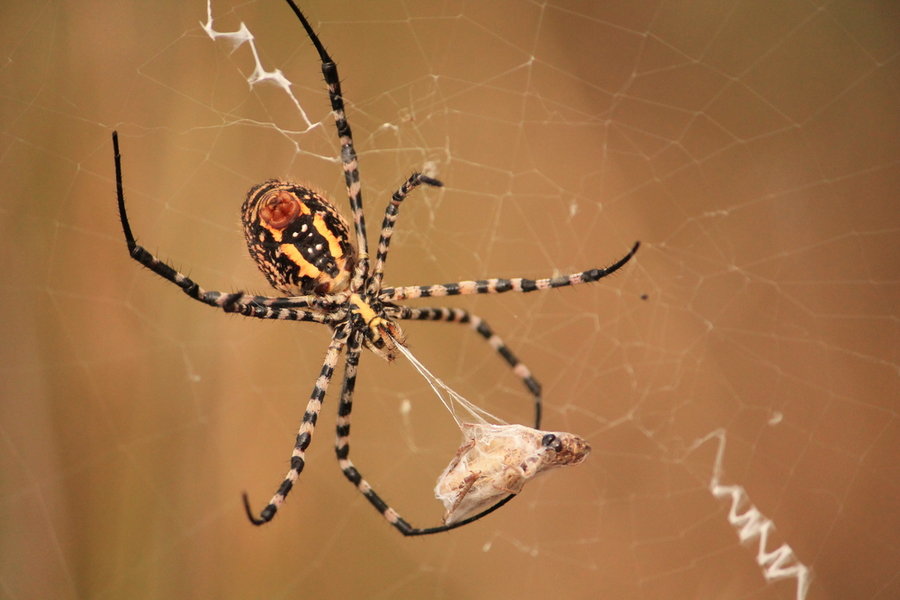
x=387, y=226
x=305, y=433
x=348, y=153
x=497, y=286
x=342, y=440
x=297, y=308
x=480, y=326
x=342, y=449
x=285, y=314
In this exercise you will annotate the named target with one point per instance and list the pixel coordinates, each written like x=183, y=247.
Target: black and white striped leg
x=297, y=308
x=285, y=314
x=387, y=226
x=342, y=440
x=342, y=449
x=348, y=152
x=480, y=326
x=305, y=432
x=498, y=286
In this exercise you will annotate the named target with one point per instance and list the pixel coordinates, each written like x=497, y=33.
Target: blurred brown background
x=751, y=146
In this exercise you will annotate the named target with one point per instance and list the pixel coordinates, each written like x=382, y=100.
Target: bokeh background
x=751, y=146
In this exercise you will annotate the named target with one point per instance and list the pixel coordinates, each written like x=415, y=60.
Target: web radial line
x=498, y=286
x=342, y=440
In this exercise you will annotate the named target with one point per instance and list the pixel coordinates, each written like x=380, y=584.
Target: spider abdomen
x=298, y=239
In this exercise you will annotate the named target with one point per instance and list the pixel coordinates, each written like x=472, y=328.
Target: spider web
x=738, y=380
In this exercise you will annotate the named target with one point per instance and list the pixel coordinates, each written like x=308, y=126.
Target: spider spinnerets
x=304, y=248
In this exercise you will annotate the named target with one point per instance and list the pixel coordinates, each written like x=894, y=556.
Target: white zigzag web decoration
x=780, y=563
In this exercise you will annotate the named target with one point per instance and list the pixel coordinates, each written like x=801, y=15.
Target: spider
x=302, y=245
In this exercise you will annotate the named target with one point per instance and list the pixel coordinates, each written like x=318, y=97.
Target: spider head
x=384, y=338
x=381, y=334
x=298, y=239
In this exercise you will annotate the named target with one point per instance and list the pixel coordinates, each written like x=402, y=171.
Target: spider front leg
x=305, y=432
x=348, y=152
x=387, y=226
x=342, y=449
x=498, y=286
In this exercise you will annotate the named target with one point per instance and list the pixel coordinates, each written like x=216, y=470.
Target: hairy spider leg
x=305, y=432
x=387, y=226
x=348, y=152
x=498, y=285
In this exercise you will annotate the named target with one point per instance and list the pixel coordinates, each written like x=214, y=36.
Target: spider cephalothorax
x=303, y=246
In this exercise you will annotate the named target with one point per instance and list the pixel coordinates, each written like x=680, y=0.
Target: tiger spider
x=302, y=245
